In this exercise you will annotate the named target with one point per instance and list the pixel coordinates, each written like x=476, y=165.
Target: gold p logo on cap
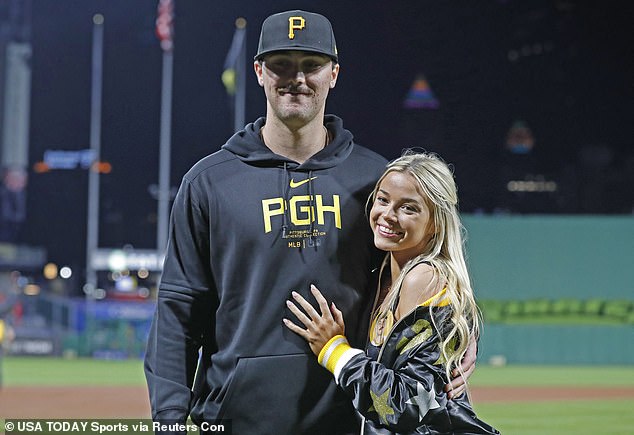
x=295, y=23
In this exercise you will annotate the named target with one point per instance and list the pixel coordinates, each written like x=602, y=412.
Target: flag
x=234, y=73
x=420, y=95
x=232, y=65
x=165, y=25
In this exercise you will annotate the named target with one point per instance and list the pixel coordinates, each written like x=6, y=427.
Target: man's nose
x=297, y=75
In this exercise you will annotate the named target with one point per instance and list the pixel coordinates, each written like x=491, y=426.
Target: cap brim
x=259, y=56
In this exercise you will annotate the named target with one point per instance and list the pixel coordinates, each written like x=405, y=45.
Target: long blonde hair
x=444, y=252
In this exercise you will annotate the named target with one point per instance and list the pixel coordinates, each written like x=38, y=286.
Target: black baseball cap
x=297, y=30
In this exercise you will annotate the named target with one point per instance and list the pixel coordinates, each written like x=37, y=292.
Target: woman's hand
x=319, y=327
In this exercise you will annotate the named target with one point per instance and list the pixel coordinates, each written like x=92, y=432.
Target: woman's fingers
x=296, y=329
x=337, y=316
x=329, y=322
x=299, y=314
x=323, y=304
x=308, y=308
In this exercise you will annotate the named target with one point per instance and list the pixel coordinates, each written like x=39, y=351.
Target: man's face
x=296, y=84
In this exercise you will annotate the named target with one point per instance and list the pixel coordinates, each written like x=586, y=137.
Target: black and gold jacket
x=401, y=391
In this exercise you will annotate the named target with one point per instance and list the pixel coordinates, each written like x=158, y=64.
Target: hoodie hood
x=249, y=147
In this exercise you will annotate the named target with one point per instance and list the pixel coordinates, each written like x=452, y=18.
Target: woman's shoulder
x=420, y=278
x=421, y=283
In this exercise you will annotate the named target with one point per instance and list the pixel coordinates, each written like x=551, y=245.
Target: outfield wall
x=526, y=258
x=557, y=344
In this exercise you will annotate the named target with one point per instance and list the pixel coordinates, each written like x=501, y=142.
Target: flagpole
x=92, y=230
x=165, y=33
x=165, y=151
x=241, y=81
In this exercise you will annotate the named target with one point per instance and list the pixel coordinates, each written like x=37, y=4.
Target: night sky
x=571, y=84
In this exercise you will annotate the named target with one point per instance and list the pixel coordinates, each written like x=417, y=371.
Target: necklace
x=380, y=327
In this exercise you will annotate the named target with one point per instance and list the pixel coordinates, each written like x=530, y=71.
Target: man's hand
x=458, y=384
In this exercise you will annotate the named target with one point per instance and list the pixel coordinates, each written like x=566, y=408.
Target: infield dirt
x=132, y=402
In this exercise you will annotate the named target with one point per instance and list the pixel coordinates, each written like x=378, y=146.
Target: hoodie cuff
x=336, y=353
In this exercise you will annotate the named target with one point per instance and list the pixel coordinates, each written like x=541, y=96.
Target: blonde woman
x=424, y=316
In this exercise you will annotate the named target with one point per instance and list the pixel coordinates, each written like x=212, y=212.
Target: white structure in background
x=17, y=95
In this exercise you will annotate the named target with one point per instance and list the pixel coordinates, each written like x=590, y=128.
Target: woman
x=425, y=312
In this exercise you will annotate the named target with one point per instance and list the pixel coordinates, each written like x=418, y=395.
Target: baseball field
x=518, y=400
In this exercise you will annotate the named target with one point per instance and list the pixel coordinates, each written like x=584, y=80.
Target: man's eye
x=277, y=63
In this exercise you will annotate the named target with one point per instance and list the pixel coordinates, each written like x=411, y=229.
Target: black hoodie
x=241, y=239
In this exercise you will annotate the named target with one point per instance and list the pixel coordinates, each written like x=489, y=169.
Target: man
x=279, y=207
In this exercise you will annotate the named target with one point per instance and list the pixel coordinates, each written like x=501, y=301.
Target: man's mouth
x=285, y=91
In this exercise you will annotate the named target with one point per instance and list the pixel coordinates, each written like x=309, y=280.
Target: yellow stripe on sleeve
x=329, y=347
x=335, y=355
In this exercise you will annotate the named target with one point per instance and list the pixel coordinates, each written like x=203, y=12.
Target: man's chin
x=294, y=116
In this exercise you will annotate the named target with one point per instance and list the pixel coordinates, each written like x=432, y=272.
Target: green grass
x=579, y=417
x=35, y=371
x=539, y=376
x=86, y=371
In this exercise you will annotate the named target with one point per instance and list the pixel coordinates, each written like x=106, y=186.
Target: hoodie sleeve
x=185, y=303
x=397, y=399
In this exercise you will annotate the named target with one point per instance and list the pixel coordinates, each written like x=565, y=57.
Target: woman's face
x=400, y=218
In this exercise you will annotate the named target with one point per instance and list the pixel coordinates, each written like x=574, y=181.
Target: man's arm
x=183, y=307
x=171, y=357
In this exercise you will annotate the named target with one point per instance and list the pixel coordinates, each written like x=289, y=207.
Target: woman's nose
x=389, y=214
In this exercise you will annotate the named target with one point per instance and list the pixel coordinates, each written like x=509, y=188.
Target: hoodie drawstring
x=311, y=207
x=286, y=188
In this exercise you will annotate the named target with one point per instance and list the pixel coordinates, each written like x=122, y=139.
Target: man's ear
x=257, y=67
x=334, y=75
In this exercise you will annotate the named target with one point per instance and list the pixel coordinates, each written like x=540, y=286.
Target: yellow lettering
x=295, y=23
x=334, y=208
x=295, y=209
x=268, y=212
x=301, y=213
